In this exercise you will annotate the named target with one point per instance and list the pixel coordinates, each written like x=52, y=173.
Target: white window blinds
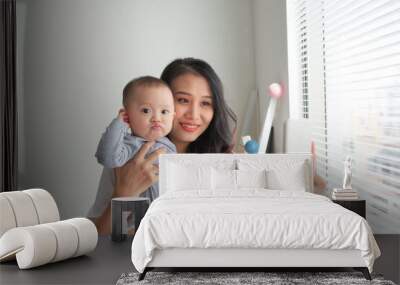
x=353, y=99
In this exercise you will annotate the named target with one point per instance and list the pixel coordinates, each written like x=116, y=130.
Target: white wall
x=271, y=60
x=75, y=57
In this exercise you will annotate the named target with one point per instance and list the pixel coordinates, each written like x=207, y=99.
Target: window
x=345, y=56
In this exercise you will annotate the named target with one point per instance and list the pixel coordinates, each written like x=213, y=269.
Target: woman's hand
x=132, y=179
x=138, y=174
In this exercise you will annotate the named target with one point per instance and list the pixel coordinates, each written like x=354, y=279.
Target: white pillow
x=224, y=179
x=283, y=173
x=288, y=176
x=251, y=178
x=182, y=177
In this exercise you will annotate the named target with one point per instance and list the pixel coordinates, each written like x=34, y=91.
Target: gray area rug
x=225, y=278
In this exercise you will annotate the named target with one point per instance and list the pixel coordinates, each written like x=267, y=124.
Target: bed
x=246, y=211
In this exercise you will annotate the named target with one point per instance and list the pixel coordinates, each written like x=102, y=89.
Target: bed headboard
x=167, y=164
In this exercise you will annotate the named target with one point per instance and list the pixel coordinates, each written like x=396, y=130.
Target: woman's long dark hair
x=219, y=136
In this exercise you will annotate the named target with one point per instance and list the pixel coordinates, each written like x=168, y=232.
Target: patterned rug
x=270, y=278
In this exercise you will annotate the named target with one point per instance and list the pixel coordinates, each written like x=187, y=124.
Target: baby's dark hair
x=143, y=81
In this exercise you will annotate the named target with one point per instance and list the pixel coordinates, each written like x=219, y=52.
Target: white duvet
x=253, y=218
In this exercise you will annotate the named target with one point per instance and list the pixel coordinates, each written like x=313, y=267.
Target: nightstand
x=357, y=206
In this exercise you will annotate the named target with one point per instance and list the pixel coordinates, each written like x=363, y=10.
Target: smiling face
x=151, y=112
x=193, y=108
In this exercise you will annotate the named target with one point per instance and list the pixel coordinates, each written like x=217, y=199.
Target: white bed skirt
x=193, y=257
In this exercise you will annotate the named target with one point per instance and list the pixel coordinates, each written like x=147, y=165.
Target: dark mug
x=126, y=213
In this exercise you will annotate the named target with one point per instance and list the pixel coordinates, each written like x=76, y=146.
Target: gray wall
x=271, y=60
x=77, y=55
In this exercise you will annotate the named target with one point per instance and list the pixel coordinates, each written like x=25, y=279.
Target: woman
x=203, y=124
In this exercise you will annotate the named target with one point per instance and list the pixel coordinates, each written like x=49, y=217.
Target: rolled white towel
x=87, y=233
x=26, y=208
x=7, y=218
x=67, y=239
x=33, y=246
x=46, y=207
x=23, y=208
x=40, y=244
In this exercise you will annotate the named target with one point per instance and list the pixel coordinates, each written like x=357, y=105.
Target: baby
x=148, y=111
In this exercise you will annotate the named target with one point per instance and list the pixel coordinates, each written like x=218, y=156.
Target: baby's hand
x=123, y=115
